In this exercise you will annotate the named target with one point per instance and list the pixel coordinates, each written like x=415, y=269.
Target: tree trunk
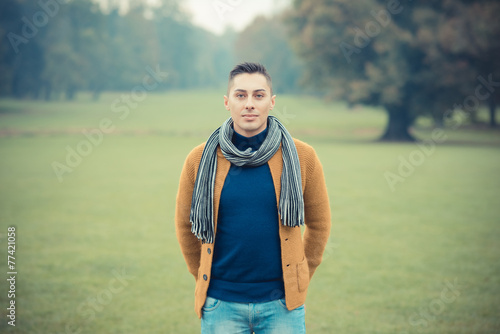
x=96, y=94
x=48, y=91
x=493, y=107
x=438, y=121
x=397, y=126
x=70, y=93
x=473, y=116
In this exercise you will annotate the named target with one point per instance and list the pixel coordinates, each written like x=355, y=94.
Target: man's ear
x=226, y=102
x=273, y=101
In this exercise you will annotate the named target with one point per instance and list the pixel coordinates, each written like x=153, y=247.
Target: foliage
x=412, y=58
x=265, y=41
x=80, y=47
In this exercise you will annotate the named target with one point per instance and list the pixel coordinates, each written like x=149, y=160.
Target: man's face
x=249, y=101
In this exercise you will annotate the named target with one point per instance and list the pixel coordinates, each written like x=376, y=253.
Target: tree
x=73, y=51
x=53, y=48
x=464, y=52
x=387, y=53
x=274, y=52
x=21, y=53
x=474, y=35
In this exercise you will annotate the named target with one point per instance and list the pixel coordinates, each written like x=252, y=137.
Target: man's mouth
x=250, y=115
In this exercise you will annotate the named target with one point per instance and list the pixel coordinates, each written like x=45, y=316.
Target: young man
x=242, y=198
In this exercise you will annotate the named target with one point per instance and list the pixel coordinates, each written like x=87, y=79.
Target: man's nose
x=249, y=104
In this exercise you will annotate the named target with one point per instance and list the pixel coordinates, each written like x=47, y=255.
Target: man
x=242, y=198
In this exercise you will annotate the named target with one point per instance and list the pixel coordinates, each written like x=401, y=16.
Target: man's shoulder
x=197, y=149
x=194, y=156
x=307, y=155
x=303, y=147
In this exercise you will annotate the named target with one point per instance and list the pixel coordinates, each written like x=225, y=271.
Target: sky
x=216, y=15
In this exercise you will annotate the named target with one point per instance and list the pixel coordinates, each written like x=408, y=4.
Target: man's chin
x=249, y=130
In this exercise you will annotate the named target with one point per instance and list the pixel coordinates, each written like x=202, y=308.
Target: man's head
x=249, y=98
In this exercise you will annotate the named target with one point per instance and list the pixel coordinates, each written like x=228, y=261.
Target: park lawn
x=97, y=253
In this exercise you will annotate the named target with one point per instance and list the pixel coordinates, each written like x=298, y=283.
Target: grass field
x=96, y=248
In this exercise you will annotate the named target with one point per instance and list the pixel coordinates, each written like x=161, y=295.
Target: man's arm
x=317, y=214
x=190, y=245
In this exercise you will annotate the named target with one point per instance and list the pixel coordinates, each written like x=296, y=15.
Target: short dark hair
x=249, y=68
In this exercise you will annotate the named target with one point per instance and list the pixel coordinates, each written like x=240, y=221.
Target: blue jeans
x=221, y=317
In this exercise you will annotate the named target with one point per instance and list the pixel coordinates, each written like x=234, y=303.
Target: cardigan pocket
x=302, y=275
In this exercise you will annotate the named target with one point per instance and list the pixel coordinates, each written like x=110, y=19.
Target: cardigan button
x=205, y=277
x=209, y=251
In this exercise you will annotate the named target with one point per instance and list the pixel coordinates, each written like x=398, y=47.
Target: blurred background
x=101, y=101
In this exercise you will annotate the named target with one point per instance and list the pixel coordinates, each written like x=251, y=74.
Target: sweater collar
x=242, y=143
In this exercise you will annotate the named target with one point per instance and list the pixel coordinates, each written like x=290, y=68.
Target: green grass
x=385, y=268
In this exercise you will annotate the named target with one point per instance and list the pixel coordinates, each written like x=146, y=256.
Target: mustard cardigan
x=300, y=256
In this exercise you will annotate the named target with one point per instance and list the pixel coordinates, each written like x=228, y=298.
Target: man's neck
x=242, y=142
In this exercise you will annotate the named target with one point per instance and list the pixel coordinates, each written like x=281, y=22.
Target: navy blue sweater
x=246, y=266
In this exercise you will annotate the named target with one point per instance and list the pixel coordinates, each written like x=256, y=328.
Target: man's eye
x=240, y=95
x=260, y=96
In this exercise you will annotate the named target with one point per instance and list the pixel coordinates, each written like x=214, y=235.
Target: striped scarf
x=291, y=202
